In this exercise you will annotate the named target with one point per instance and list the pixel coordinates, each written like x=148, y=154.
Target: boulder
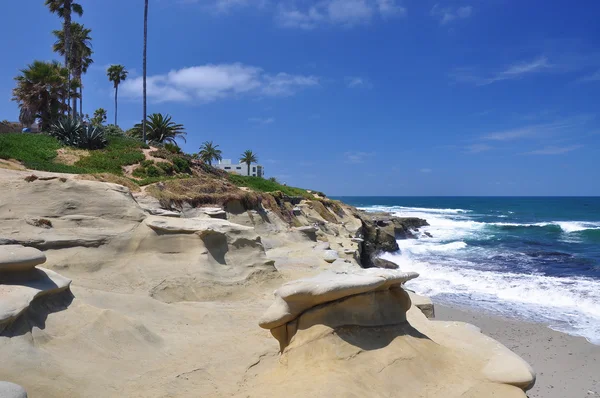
x=11, y=390
x=19, y=258
x=19, y=289
x=330, y=256
x=381, y=263
x=423, y=303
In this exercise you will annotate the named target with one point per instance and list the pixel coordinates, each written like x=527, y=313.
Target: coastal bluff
x=143, y=298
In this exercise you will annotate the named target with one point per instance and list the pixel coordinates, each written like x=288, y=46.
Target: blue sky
x=355, y=97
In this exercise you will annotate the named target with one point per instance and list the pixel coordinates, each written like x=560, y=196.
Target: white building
x=241, y=168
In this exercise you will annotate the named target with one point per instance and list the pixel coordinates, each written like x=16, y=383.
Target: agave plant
x=72, y=132
x=92, y=137
x=67, y=130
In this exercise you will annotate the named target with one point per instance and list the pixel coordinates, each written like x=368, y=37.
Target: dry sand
x=566, y=366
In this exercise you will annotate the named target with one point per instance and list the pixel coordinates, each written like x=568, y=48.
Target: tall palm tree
x=160, y=129
x=81, y=54
x=248, y=157
x=145, y=70
x=209, y=152
x=116, y=74
x=40, y=92
x=64, y=9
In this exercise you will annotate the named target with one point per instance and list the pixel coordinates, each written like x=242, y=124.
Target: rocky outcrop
x=11, y=390
x=357, y=334
x=380, y=231
x=21, y=282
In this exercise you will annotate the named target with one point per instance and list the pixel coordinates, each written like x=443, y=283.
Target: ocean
x=531, y=258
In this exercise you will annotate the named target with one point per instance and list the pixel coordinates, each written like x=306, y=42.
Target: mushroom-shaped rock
x=11, y=390
x=19, y=258
x=295, y=297
x=330, y=256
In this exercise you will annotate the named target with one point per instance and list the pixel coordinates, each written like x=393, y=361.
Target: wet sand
x=566, y=366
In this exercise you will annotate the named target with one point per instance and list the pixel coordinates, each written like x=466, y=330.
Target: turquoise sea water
x=532, y=258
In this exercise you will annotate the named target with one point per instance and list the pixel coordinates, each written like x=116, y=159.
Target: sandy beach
x=566, y=366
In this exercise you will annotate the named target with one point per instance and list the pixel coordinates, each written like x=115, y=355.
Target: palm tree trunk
x=81, y=102
x=248, y=169
x=145, y=70
x=67, y=29
x=116, y=103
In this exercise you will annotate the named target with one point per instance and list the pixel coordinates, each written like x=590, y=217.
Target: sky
x=354, y=97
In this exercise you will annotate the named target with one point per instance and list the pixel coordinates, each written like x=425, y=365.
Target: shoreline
x=566, y=366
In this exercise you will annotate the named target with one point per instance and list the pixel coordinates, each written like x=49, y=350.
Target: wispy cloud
x=208, y=83
x=539, y=130
x=357, y=157
x=554, y=150
x=296, y=14
x=477, y=148
x=261, y=120
x=358, y=82
x=512, y=72
x=594, y=77
x=448, y=14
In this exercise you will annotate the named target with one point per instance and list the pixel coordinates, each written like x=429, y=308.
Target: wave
x=564, y=226
x=570, y=304
x=394, y=209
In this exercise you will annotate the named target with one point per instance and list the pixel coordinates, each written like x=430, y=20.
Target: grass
x=39, y=152
x=35, y=151
x=261, y=185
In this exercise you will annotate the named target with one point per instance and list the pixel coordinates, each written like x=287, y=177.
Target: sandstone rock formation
x=21, y=282
x=357, y=335
x=165, y=301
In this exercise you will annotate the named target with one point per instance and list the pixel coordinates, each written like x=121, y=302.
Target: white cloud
x=357, y=157
x=426, y=171
x=554, y=150
x=512, y=72
x=263, y=121
x=335, y=12
x=357, y=82
x=208, y=83
x=449, y=14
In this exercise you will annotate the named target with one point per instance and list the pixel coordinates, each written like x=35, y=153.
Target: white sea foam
x=571, y=305
x=444, y=262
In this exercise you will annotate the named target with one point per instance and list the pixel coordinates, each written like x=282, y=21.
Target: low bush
x=147, y=162
x=168, y=168
x=173, y=148
x=153, y=171
x=181, y=164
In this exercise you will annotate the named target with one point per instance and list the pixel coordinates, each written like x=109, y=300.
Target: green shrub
x=168, y=168
x=139, y=172
x=153, y=171
x=173, y=148
x=262, y=185
x=121, y=151
x=113, y=131
x=181, y=164
x=147, y=162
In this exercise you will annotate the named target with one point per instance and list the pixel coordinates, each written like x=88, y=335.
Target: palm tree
x=145, y=70
x=248, y=157
x=81, y=53
x=116, y=74
x=41, y=92
x=64, y=9
x=160, y=129
x=209, y=152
